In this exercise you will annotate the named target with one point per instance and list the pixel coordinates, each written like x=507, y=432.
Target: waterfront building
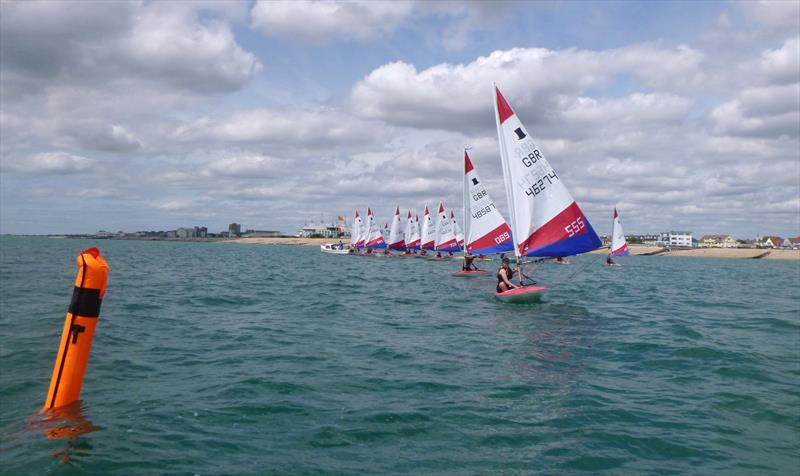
x=675, y=239
x=718, y=241
x=772, y=242
x=261, y=233
x=234, y=230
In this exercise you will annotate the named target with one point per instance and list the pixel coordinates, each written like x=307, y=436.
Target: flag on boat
x=618, y=245
x=457, y=230
x=445, y=237
x=356, y=240
x=545, y=219
x=486, y=231
x=428, y=231
x=396, y=239
x=373, y=237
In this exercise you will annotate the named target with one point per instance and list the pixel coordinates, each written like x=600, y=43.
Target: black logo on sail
x=520, y=134
x=474, y=181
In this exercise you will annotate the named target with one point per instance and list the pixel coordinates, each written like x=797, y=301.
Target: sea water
x=214, y=358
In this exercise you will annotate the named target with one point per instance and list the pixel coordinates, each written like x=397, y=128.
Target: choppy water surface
x=249, y=359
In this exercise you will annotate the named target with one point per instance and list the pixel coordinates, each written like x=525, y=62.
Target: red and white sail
x=373, y=238
x=486, y=231
x=428, y=231
x=396, y=239
x=412, y=233
x=457, y=229
x=445, y=236
x=619, y=247
x=356, y=240
x=545, y=219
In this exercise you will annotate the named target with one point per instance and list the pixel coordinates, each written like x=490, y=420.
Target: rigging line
x=580, y=269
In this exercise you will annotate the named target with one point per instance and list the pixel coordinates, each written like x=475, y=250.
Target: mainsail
x=485, y=229
x=545, y=219
x=428, y=231
x=445, y=237
x=618, y=245
x=457, y=230
x=396, y=239
x=356, y=240
x=373, y=237
x=412, y=233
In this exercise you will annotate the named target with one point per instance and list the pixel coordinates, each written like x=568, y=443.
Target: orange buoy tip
x=94, y=251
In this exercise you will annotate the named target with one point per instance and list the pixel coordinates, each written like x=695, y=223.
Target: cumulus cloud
x=49, y=163
x=457, y=97
x=315, y=129
x=46, y=43
x=320, y=21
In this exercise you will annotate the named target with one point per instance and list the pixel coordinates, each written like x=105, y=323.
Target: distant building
x=772, y=242
x=675, y=239
x=718, y=241
x=200, y=232
x=795, y=242
x=234, y=229
x=321, y=230
x=261, y=233
x=185, y=233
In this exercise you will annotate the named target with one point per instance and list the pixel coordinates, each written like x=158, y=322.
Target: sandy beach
x=729, y=253
x=636, y=250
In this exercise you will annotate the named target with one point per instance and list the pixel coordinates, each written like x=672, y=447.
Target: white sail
x=373, y=238
x=445, y=237
x=355, y=232
x=545, y=219
x=396, y=239
x=428, y=240
x=486, y=231
x=619, y=247
x=457, y=229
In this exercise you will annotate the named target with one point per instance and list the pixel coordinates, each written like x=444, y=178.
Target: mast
x=507, y=180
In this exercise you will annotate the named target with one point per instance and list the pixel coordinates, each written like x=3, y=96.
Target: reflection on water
x=67, y=423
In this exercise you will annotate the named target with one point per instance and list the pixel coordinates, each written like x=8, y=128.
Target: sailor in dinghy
x=545, y=220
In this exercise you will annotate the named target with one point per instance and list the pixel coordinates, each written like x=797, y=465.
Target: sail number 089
x=575, y=227
x=501, y=238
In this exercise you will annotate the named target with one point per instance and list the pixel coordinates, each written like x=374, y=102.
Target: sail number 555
x=575, y=227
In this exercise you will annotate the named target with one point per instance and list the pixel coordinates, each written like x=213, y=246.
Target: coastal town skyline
x=684, y=115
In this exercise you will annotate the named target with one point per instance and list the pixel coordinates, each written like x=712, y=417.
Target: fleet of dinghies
x=545, y=221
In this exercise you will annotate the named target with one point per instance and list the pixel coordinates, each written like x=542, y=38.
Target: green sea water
x=250, y=359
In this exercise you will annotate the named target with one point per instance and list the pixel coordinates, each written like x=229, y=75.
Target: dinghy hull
x=471, y=273
x=522, y=295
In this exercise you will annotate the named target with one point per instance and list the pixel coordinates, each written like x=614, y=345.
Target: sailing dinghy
x=412, y=235
x=356, y=241
x=485, y=229
x=545, y=219
x=619, y=247
x=445, y=240
x=373, y=238
x=428, y=240
x=396, y=239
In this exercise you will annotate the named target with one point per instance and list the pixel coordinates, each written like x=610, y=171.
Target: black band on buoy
x=85, y=302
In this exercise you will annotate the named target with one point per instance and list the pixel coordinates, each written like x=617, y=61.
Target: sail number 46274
x=575, y=227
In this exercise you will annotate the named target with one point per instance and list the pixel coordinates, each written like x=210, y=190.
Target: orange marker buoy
x=76, y=339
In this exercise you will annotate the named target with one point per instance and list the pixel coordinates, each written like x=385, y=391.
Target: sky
x=152, y=115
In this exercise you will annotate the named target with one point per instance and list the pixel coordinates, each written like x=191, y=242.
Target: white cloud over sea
x=154, y=115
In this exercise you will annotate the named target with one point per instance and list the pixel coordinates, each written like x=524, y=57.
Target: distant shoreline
x=636, y=250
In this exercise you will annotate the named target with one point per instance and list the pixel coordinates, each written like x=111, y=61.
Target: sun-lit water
x=248, y=359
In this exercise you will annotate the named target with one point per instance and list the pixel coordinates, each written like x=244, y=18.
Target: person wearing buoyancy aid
x=504, y=276
x=468, y=263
